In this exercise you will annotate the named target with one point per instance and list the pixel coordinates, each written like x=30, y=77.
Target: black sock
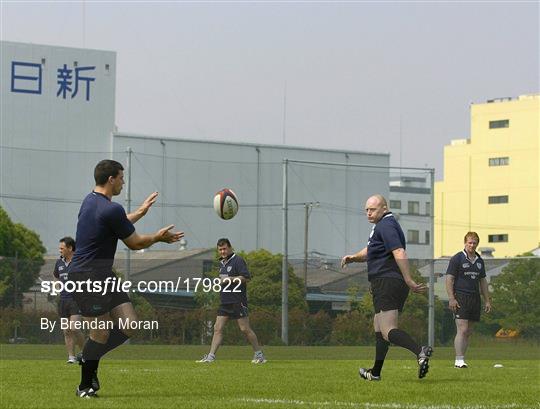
x=404, y=340
x=381, y=348
x=91, y=353
x=116, y=338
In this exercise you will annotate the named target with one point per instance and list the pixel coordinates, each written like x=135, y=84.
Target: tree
x=21, y=257
x=516, y=292
x=209, y=300
x=264, y=289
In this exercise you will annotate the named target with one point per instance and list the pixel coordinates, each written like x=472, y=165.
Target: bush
x=28, y=326
x=352, y=328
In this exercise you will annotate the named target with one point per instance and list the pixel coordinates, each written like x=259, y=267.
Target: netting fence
x=320, y=220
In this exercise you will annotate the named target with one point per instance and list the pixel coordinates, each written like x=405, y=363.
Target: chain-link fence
x=305, y=204
x=328, y=305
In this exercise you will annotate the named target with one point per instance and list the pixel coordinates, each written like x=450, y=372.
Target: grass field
x=138, y=376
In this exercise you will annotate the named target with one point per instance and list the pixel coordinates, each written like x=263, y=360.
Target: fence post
x=431, y=314
x=284, y=265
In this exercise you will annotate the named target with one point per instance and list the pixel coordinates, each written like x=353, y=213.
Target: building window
x=428, y=208
x=414, y=208
x=502, y=161
x=395, y=204
x=503, y=123
x=497, y=199
x=427, y=236
x=498, y=238
x=413, y=236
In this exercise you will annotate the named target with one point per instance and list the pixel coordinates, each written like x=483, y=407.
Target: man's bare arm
x=143, y=209
x=400, y=255
x=354, y=258
x=138, y=241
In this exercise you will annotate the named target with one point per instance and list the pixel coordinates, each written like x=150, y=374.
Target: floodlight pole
x=431, y=311
x=284, y=264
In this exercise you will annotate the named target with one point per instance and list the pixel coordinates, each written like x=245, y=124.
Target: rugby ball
x=226, y=204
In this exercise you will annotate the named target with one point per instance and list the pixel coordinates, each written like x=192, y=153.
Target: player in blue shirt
x=67, y=307
x=390, y=279
x=234, y=275
x=465, y=279
x=101, y=223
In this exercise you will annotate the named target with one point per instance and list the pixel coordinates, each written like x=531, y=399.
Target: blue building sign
x=26, y=77
x=64, y=77
x=64, y=81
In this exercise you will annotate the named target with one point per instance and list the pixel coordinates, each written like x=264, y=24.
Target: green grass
x=139, y=376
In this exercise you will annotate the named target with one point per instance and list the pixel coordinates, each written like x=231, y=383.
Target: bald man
x=390, y=280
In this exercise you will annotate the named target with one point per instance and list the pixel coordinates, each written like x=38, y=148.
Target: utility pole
x=15, y=277
x=431, y=295
x=284, y=263
x=308, y=207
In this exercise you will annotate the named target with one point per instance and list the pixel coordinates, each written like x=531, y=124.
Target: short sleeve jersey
x=234, y=266
x=386, y=236
x=60, y=272
x=101, y=223
x=467, y=272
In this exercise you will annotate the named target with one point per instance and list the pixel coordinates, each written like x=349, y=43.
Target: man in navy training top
x=67, y=307
x=465, y=278
x=232, y=272
x=390, y=279
x=100, y=224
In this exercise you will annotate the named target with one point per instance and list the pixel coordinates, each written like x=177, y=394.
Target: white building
x=58, y=121
x=410, y=200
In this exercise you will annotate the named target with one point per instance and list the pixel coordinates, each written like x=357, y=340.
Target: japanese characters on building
x=72, y=81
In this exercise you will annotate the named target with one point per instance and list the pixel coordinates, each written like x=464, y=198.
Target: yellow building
x=492, y=180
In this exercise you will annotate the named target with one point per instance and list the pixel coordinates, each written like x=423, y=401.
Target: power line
x=120, y=153
x=329, y=206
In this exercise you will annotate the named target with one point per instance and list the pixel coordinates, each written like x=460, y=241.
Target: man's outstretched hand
x=148, y=202
x=165, y=235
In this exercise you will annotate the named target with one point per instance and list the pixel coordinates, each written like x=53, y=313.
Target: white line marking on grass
x=133, y=370
x=369, y=405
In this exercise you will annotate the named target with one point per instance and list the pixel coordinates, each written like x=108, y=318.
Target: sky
x=391, y=77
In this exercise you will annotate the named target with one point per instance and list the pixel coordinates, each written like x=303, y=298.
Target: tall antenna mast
x=284, y=130
x=400, y=148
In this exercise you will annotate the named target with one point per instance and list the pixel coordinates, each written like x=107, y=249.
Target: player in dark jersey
x=67, y=307
x=234, y=275
x=465, y=279
x=101, y=223
x=390, y=279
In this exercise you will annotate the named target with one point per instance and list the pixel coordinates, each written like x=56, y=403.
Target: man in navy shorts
x=67, y=307
x=465, y=279
x=234, y=276
x=101, y=223
x=390, y=279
